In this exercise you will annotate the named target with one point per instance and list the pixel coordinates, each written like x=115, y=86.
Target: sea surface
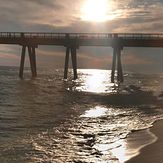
x=52, y=120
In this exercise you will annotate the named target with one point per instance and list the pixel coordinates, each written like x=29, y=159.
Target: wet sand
x=153, y=152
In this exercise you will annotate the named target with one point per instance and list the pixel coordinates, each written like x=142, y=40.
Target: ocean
x=52, y=120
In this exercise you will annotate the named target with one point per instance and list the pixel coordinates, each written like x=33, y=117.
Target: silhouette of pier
x=72, y=42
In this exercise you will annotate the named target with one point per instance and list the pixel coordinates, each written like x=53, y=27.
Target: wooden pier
x=72, y=42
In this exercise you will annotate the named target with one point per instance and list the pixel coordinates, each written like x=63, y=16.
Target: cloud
x=64, y=16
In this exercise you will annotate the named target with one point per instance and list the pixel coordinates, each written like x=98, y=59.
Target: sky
x=67, y=16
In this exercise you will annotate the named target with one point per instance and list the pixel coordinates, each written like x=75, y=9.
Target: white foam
x=131, y=146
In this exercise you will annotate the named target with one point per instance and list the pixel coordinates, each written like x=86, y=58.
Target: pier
x=73, y=41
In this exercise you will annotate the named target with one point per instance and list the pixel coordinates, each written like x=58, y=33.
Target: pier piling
x=31, y=59
x=117, y=61
x=73, y=52
x=113, y=65
x=74, y=62
x=66, y=62
x=21, y=70
x=119, y=66
x=34, y=61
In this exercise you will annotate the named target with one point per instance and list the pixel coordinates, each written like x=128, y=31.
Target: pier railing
x=81, y=35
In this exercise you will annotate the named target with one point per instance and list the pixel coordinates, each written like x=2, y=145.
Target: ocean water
x=84, y=121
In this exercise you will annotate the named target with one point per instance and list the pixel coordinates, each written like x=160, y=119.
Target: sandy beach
x=153, y=152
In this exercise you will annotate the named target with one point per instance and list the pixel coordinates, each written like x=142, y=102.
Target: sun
x=95, y=10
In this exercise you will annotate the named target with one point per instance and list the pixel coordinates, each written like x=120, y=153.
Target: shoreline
x=130, y=146
x=152, y=152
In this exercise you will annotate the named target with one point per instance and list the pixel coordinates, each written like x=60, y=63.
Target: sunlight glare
x=95, y=112
x=120, y=152
x=96, y=81
x=96, y=10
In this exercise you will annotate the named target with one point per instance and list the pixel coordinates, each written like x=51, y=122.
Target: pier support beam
x=113, y=65
x=66, y=62
x=74, y=61
x=21, y=70
x=117, y=60
x=119, y=67
x=32, y=59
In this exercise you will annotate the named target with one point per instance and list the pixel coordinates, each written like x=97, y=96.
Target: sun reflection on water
x=121, y=152
x=96, y=81
x=95, y=112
